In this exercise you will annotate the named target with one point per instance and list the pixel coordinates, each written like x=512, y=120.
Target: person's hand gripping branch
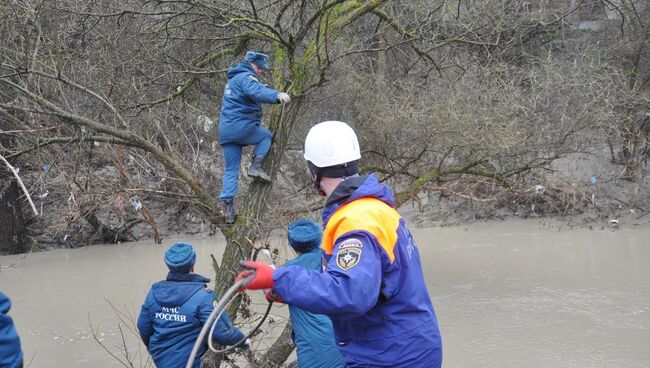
x=284, y=98
x=262, y=276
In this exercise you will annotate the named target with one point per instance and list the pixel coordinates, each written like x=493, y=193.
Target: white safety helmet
x=331, y=143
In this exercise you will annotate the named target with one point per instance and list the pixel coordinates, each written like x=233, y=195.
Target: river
x=507, y=294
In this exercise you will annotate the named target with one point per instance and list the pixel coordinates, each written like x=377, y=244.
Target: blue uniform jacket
x=11, y=355
x=241, y=109
x=172, y=317
x=312, y=333
x=373, y=288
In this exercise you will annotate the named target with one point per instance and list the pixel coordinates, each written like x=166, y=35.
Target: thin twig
x=29, y=130
x=99, y=341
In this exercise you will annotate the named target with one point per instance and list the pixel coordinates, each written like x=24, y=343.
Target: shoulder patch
x=253, y=78
x=349, y=254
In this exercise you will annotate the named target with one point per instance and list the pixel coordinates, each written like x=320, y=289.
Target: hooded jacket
x=373, y=288
x=312, y=333
x=241, y=109
x=172, y=316
x=11, y=355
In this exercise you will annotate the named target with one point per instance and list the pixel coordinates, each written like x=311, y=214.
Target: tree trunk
x=635, y=129
x=250, y=220
x=280, y=351
x=253, y=206
x=13, y=234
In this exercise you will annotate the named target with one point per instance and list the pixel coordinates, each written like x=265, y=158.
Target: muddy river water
x=507, y=294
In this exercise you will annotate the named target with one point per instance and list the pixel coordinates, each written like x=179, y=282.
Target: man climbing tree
x=239, y=124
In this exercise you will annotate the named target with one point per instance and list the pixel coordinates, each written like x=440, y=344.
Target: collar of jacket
x=186, y=277
x=354, y=188
x=345, y=189
x=312, y=250
x=243, y=67
x=342, y=194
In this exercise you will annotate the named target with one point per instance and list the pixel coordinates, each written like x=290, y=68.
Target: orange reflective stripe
x=365, y=214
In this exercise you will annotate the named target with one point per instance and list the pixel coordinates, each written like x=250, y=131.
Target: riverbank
x=583, y=189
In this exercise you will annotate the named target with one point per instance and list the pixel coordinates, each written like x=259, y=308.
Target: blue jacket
x=241, y=109
x=373, y=288
x=312, y=333
x=172, y=316
x=11, y=355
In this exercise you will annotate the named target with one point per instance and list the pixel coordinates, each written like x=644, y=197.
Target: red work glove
x=272, y=297
x=262, y=276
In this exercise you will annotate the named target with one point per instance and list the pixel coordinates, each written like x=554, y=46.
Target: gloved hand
x=262, y=276
x=284, y=97
x=272, y=297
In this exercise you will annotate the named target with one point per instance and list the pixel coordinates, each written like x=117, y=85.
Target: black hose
x=219, y=307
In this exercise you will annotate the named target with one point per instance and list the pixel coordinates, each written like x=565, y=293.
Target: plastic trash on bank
x=135, y=203
x=206, y=122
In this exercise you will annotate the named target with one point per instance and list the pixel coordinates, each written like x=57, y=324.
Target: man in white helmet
x=372, y=286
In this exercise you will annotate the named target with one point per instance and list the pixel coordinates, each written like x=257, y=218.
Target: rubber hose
x=220, y=305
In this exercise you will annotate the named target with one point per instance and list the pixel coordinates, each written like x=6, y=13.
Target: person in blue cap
x=312, y=333
x=176, y=309
x=11, y=355
x=239, y=124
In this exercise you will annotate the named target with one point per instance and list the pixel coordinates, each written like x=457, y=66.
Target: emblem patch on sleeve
x=251, y=77
x=349, y=254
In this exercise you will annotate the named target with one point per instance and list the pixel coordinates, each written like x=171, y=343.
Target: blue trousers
x=261, y=138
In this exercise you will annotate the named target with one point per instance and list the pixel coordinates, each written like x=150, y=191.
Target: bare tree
x=439, y=92
x=634, y=124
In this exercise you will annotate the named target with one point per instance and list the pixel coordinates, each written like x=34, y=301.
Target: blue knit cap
x=180, y=257
x=258, y=58
x=304, y=235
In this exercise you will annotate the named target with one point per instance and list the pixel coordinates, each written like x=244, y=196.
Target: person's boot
x=229, y=211
x=256, y=171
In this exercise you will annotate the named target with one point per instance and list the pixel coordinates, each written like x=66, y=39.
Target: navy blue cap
x=180, y=257
x=258, y=58
x=304, y=235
